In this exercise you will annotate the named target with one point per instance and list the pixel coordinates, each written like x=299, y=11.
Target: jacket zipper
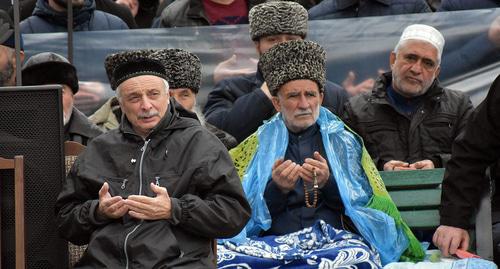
x=143, y=149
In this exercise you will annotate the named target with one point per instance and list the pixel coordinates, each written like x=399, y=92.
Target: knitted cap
x=124, y=65
x=49, y=68
x=425, y=33
x=183, y=68
x=293, y=60
x=277, y=17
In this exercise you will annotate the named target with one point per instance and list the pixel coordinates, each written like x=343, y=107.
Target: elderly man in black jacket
x=154, y=192
x=465, y=182
x=409, y=121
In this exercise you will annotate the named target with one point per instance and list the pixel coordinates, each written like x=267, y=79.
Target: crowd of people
x=274, y=156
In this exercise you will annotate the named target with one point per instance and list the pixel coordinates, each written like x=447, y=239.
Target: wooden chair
x=71, y=152
x=417, y=194
x=17, y=164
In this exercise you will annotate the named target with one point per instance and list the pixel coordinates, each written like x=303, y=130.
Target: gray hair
x=118, y=91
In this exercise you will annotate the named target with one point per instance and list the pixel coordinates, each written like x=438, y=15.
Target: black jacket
x=474, y=150
x=80, y=129
x=390, y=135
x=239, y=107
x=206, y=194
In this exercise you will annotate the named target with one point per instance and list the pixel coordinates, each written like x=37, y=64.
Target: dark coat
x=335, y=9
x=184, y=13
x=109, y=6
x=239, y=107
x=449, y=5
x=473, y=151
x=47, y=20
x=80, y=129
x=206, y=194
x=391, y=135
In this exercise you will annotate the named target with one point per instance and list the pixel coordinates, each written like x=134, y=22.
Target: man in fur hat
x=7, y=51
x=52, y=68
x=302, y=171
x=240, y=104
x=184, y=78
x=154, y=192
x=408, y=120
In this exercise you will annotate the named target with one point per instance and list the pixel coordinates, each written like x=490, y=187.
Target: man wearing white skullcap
x=409, y=121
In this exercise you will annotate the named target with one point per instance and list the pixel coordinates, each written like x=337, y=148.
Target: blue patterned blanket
x=319, y=246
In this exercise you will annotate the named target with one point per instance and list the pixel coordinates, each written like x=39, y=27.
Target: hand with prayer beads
x=320, y=165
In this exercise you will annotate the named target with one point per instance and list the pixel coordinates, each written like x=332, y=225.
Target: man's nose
x=146, y=103
x=303, y=103
x=417, y=67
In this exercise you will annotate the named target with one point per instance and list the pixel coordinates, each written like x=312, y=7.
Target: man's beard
x=6, y=74
x=76, y=4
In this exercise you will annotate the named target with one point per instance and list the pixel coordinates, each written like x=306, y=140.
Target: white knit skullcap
x=425, y=33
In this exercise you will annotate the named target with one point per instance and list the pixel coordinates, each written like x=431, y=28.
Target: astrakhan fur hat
x=277, y=17
x=128, y=64
x=293, y=60
x=183, y=68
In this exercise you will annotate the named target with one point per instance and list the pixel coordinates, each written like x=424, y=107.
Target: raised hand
x=110, y=207
x=150, y=208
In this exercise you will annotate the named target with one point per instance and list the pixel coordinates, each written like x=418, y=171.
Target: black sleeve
x=222, y=211
x=472, y=152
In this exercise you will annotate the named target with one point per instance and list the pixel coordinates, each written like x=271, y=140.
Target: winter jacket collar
x=80, y=125
x=80, y=16
x=379, y=93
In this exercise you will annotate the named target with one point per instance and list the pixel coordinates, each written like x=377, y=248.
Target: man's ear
x=21, y=56
x=392, y=59
x=438, y=71
x=276, y=103
x=257, y=46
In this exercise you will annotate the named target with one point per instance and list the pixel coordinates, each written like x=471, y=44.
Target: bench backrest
x=417, y=194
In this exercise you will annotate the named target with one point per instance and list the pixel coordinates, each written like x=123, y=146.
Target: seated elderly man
x=154, y=192
x=52, y=68
x=307, y=177
x=408, y=120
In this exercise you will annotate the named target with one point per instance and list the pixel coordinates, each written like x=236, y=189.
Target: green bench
x=417, y=194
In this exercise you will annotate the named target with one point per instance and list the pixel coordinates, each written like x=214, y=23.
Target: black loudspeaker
x=31, y=125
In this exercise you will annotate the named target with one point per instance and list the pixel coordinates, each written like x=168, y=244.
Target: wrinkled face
x=299, y=102
x=414, y=67
x=7, y=67
x=67, y=100
x=267, y=42
x=144, y=100
x=184, y=96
